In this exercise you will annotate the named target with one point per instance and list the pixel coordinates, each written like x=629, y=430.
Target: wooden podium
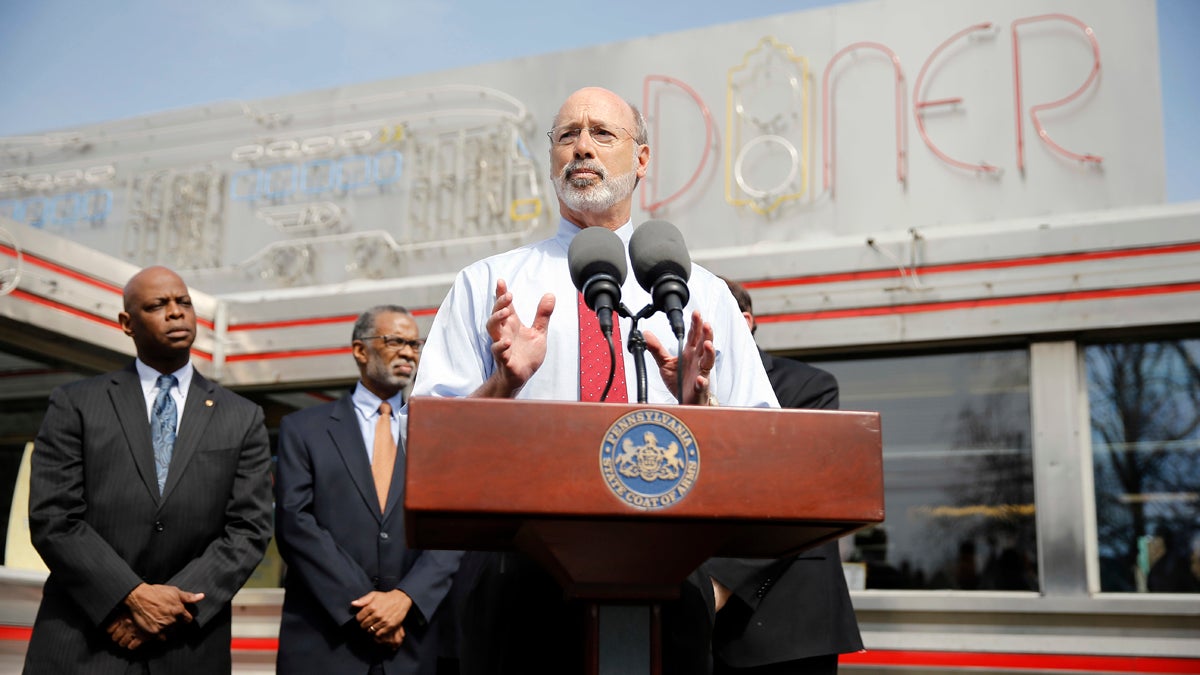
x=545, y=478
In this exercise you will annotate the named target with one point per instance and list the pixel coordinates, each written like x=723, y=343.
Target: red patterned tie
x=594, y=358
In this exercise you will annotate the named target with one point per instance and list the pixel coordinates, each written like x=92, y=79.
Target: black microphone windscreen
x=657, y=248
x=596, y=250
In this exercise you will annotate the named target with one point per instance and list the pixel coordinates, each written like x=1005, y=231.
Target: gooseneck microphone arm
x=637, y=346
x=613, y=350
x=679, y=370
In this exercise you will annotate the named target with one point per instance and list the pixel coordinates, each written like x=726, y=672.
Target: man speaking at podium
x=506, y=330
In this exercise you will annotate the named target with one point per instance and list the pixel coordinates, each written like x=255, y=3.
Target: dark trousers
x=513, y=619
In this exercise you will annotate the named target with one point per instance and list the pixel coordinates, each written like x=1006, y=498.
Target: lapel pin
x=208, y=402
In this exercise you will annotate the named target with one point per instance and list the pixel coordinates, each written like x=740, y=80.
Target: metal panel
x=1062, y=479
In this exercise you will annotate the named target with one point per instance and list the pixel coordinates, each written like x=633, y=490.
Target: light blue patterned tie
x=162, y=428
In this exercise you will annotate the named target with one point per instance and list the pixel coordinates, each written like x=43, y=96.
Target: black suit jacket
x=797, y=607
x=96, y=518
x=338, y=547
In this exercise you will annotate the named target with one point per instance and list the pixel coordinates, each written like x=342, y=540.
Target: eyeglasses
x=568, y=135
x=396, y=342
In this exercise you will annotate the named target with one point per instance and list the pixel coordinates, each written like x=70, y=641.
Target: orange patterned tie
x=384, y=457
x=594, y=358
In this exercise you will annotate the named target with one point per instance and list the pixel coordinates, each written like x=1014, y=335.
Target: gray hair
x=641, y=136
x=365, y=324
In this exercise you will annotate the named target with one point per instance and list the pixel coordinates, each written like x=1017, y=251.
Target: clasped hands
x=382, y=614
x=149, y=611
x=519, y=351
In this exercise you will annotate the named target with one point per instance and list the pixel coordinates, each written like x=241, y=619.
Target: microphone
x=596, y=258
x=662, y=266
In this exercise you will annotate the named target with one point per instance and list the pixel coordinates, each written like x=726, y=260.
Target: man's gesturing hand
x=519, y=350
x=697, y=360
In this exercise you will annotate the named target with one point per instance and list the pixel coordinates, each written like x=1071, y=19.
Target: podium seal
x=649, y=459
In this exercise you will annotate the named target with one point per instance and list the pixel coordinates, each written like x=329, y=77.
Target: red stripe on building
x=46, y=302
x=1016, y=662
x=65, y=271
x=254, y=644
x=856, y=312
x=1005, y=263
x=295, y=354
x=293, y=323
x=315, y=321
x=67, y=309
x=917, y=308
x=19, y=633
x=1036, y=663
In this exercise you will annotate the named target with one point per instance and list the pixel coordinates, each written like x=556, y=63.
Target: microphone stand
x=637, y=346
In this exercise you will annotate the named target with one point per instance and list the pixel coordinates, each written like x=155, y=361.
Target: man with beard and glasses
x=507, y=330
x=357, y=600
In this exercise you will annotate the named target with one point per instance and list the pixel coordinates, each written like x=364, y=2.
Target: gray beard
x=379, y=370
x=593, y=198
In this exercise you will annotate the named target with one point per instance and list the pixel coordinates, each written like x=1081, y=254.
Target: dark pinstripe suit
x=97, y=520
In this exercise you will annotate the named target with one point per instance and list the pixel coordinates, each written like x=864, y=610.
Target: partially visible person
x=1194, y=562
x=1171, y=567
x=792, y=616
x=512, y=326
x=358, y=601
x=150, y=502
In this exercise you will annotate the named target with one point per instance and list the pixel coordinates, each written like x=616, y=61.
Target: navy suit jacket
x=99, y=523
x=797, y=607
x=338, y=547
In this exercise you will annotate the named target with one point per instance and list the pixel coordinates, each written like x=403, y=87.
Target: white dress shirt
x=149, y=379
x=457, y=356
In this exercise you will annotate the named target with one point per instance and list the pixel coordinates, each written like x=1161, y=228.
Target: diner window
x=958, y=471
x=1144, y=404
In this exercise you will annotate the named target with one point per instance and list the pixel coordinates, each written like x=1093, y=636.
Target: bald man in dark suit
x=150, y=502
x=791, y=616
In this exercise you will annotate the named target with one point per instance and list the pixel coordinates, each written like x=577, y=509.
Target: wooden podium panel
x=499, y=475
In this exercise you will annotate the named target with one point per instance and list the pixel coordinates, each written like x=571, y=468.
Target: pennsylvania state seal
x=649, y=459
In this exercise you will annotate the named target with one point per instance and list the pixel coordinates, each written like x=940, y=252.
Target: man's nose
x=585, y=147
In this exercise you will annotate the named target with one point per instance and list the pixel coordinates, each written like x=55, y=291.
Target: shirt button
x=383, y=536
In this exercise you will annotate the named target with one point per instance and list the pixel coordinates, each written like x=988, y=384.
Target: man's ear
x=643, y=159
x=123, y=320
x=359, y=350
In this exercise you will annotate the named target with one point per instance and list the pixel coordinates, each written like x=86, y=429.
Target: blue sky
x=66, y=63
